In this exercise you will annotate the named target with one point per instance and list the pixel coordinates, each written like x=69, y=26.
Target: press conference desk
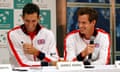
x=98, y=68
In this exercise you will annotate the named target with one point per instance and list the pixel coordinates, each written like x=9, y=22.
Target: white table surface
x=97, y=68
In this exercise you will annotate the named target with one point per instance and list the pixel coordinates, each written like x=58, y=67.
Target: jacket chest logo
x=41, y=41
x=97, y=45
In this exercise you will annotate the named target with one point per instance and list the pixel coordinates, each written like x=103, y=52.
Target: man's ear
x=22, y=17
x=94, y=22
x=39, y=17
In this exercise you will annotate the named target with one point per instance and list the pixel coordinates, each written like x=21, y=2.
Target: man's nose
x=30, y=22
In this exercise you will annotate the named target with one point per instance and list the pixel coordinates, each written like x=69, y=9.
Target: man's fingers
x=90, y=49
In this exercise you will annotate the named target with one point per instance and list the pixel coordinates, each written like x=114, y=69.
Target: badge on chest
x=41, y=41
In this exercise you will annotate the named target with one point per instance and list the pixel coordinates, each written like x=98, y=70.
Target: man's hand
x=29, y=49
x=88, y=50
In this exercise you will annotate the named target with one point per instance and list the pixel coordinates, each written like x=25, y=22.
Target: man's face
x=85, y=25
x=30, y=21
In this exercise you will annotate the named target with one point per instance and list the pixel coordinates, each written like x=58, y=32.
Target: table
x=97, y=68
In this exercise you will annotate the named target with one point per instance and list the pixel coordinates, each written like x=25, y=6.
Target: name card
x=5, y=68
x=77, y=65
x=70, y=65
x=117, y=64
x=63, y=65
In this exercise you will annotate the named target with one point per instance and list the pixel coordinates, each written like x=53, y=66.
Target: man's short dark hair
x=30, y=8
x=93, y=15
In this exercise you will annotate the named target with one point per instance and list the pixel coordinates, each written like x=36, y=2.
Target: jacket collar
x=38, y=27
x=94, y=34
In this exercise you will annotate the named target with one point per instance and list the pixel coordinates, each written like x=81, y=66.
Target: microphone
x=88, y=62
x=91, y=42
x=44, y=63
